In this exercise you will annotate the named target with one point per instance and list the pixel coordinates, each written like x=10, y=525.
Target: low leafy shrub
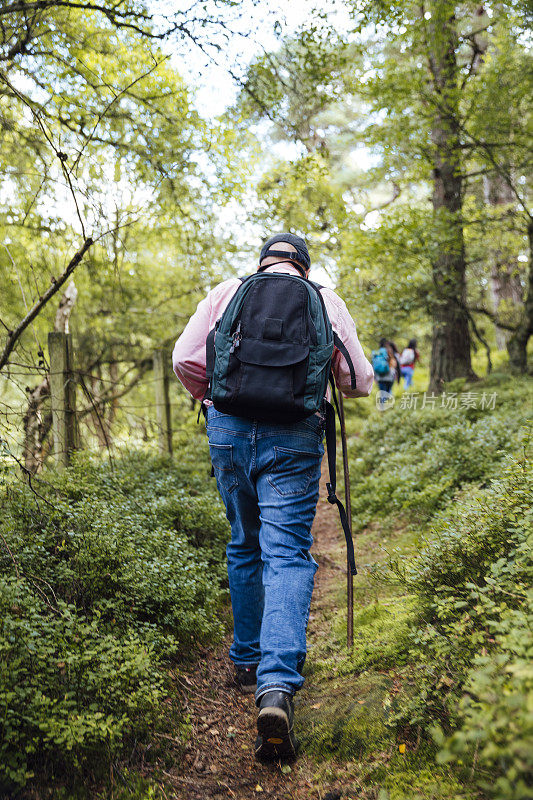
x=496, y=731
x=412, y=461
x=70, y=693
x=131, y=545
x=107, y=572
x=461, y=480
x=470, y=651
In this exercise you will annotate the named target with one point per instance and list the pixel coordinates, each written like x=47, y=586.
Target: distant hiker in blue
x=408, y=359
x=386, y=367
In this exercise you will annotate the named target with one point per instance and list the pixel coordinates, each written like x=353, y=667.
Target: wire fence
x=52, y=407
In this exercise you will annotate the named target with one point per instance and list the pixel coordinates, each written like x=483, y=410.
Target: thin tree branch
x=494, y=318
x=57, y=283
x=99, y=418
x=110, y=394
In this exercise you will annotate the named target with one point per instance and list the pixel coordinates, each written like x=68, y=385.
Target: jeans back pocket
x=222, y=460
x=293, y=471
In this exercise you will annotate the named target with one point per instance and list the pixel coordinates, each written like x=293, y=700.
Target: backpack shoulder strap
x=337, y=341
x=317, y=287
x=331, y=443
x=339, y=344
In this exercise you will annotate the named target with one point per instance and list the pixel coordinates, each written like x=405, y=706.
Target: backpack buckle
x=236, y=340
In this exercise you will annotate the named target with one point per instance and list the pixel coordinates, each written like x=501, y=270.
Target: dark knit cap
x=297, y=242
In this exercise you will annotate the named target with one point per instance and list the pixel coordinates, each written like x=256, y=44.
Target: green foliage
x=70, y=692
x=471, y=650
x=103, y=139
x=496, y=732
x=414, y=782
x=370, y=100
x=304, y=197
x=343, y=725
x=443, y=659
x=110, y=572
x=497, y=718
x=414, y=460
x=400, y=246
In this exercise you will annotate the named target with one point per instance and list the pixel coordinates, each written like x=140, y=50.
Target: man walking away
x=268, y=471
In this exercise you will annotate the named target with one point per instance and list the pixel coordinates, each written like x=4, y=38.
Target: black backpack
x=272, y=350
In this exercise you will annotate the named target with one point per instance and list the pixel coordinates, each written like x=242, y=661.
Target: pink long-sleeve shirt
x=188, y=358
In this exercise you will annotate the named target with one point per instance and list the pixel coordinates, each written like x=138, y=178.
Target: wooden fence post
x=162, y=400
x=63, y=396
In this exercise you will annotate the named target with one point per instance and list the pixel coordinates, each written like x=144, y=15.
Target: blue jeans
x=385, y=386
x=268, y=476
x=407, y=373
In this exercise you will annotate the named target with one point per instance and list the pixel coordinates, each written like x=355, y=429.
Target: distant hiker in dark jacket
x=396, y=365
x=409, y=357
x=267, y=475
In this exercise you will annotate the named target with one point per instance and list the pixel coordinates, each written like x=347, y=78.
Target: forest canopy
x=394, y=136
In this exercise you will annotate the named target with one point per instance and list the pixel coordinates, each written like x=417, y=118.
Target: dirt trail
x=219, y=760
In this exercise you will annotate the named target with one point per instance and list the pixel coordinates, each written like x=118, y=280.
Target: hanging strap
x=210, y=353
x=209, y=369
x=331, y=443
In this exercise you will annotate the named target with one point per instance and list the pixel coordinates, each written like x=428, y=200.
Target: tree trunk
x=505, y=283
x=450, y=352
x=517, y=344
x=37, y=426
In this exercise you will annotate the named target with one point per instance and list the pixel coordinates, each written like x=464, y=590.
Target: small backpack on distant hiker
x=408, y=357
x=268, y=358
x=380, y=361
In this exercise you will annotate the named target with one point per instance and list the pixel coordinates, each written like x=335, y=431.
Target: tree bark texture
x=450, y=352
x=517, y=344
x=505, y=280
